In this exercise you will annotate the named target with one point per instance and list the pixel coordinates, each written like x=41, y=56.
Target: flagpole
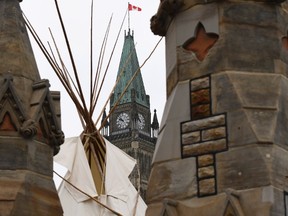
x=128, y=17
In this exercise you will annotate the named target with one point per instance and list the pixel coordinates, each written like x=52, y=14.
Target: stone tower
x=30, y=132
x=130, y=123
x=223, y=142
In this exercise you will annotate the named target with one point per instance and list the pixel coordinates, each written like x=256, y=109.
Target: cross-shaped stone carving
x=203, y=136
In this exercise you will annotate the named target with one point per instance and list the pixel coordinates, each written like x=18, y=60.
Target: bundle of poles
x=92, y=140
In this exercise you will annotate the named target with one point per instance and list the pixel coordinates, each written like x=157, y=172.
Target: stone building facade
x=222, y=147
x=30, y=127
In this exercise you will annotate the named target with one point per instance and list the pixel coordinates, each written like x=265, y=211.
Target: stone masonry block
x=204, y=148
x=214, y=133
x=212, y=121
x=207, y=187
x=200, y=83
x=191, y=137
x=205, y=160
x=200, y=111
x=200, y=96
x=205, y=172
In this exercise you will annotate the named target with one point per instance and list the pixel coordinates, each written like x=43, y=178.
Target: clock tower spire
x=130, y=123
x=128, y=66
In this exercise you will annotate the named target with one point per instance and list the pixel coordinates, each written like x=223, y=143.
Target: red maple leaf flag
x=132, y=7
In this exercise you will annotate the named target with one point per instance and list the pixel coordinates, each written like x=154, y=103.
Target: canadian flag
x=132, y=7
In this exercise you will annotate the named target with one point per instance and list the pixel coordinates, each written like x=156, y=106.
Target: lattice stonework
x=203, y=136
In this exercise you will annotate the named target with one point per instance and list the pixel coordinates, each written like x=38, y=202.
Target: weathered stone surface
x=31, y=155
x=277, y=198
x=172, y=81
x=256, y=202
x=281, y=131
x=245, y=13
x=28, y=194
x=249, y=88
x=15, y=49
x=207, y=206
x=239, y=129
x=277, y=160
x=172, y=179
x=263, y=123
x=249, y=202
x=253, y=115
x=168, y=142
x=236, y=169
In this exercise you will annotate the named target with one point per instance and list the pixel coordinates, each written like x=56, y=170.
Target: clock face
x=122, y=120
x=140, y=121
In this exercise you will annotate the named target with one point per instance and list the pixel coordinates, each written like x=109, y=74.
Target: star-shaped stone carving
x=201, y=43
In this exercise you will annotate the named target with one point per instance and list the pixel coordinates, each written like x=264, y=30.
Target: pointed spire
x=128, y=66
x=155, y=125
x=105, y=130
x=16, y=55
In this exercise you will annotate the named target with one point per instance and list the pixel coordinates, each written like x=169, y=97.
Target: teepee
x=97, y=171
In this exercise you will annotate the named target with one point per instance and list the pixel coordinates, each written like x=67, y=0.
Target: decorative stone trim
x=28, y=129
x=201, y=43
x=202, y=148
x=204, y=136
x=41, y=119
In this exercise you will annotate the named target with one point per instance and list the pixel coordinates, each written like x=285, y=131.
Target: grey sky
x=42, y=14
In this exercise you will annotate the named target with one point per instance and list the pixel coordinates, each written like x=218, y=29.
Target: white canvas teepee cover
x=120, y=196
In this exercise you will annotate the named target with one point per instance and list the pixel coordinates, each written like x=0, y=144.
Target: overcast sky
x=76, y=15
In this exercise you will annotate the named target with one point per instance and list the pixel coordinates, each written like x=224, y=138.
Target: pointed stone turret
x=155, y=125
x=105, y=129
x=222, y=148
x=30, y=127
